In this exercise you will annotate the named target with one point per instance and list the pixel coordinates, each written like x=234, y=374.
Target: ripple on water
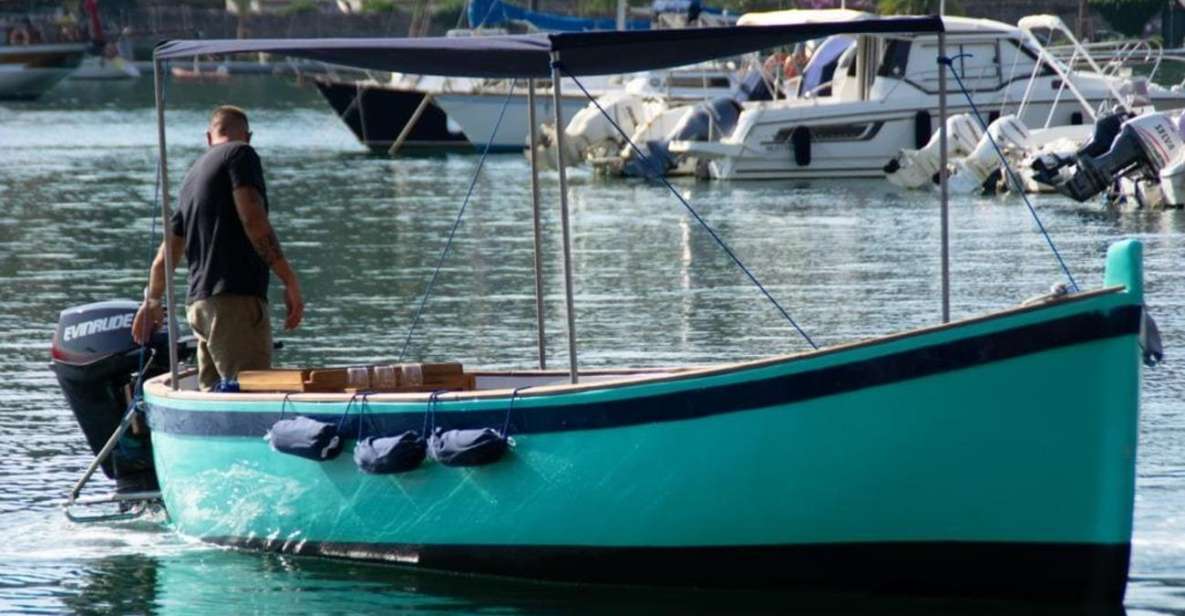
x=850, y=260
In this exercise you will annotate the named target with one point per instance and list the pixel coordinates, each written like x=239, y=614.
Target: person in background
x=221, y=225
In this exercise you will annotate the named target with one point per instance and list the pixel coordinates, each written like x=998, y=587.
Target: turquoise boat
x=992, y=456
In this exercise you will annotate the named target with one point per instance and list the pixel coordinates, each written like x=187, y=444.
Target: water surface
x=849, y=260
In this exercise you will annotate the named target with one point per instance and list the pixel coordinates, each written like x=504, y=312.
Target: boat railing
x=1114, y=56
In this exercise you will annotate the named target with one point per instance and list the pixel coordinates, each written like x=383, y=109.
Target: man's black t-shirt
x=221, y=257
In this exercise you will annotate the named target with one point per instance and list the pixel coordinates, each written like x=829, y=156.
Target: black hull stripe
x=696, y=403
x=377, y=113
x=1078, y=573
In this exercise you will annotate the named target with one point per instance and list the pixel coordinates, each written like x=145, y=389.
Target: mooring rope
x=1015, y=179
x=456, y=223
x=724, y=245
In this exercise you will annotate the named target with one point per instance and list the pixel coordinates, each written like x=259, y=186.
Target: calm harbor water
x=848, y=259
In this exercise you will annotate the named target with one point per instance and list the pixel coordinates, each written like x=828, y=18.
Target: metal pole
x=567, y=236
x=538, y=226
x=163, y=161
x=942, y=177
x=411, y=124
x=621, y=14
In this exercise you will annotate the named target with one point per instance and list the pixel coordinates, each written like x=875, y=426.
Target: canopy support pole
x=411, y=124
x=567, y=234
x=534, y=155
x=163, y=161
x=942, y=177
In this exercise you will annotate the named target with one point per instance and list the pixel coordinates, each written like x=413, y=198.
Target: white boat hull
x=28, y=71
x=477, y=115
x=876, y=135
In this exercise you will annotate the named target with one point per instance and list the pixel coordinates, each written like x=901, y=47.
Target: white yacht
x=884, y=97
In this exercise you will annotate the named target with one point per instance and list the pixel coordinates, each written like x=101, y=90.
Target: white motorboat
x=647, y=108
x=28, y=71
x=884, y=95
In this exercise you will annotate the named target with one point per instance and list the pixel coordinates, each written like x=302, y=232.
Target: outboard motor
x=96, y=362
x=1145, y=145
x=753, y=87
x=917, y=168
x=710, y=120
x=1008, y=134
x=1047, y=168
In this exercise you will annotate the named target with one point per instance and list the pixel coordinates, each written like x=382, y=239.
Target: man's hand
x=148, y=318
x=295, y=304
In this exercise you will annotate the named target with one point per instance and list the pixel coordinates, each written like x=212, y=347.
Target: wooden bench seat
x=401, y=378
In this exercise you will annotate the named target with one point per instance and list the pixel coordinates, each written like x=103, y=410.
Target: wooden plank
x=285, y=380
x=327, y=380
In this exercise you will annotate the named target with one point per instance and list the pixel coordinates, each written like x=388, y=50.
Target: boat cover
x=305, y=437
x=529, y=55
x=390, y=454
x=473, y=447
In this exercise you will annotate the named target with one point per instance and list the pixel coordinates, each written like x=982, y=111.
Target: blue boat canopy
x=529, y=55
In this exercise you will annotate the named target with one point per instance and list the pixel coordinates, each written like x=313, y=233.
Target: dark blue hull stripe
x=1066, y=572
x=704, y=402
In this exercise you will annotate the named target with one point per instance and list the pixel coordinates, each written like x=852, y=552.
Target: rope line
x=456, y=223
x=646, y=160
x=1016, y=183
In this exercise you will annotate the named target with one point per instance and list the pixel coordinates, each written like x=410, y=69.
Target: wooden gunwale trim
x=160, y=386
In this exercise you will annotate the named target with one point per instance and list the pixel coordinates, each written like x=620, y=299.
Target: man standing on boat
x=221, y=225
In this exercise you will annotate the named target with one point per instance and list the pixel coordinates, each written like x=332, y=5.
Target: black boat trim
x=1093, y=573
x=697, y=402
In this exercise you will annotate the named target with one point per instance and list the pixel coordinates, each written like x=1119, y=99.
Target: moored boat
x=378, y=112
x=28, y=71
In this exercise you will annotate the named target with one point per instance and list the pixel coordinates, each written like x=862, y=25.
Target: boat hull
x=27, y=72
x=377, y=114
x=852, y=140
x=477, y=114
x=994, y=457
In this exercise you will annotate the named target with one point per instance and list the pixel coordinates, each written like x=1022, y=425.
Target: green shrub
x=299, y=7
x=1127, y=16
x=917, y=7
x=378, y=6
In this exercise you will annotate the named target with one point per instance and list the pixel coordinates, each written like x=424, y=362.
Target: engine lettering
x=86, y=328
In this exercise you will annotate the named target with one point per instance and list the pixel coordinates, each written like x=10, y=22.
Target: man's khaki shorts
x=234, y=333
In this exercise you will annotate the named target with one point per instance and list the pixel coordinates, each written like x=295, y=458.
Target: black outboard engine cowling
x=96, y=362
x=1145, y=145
x=1106, y=129
x=710, y=120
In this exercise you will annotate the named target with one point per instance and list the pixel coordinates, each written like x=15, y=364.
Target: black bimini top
x=530, y=55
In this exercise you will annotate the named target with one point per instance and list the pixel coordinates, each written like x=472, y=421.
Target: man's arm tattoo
x=267, y=247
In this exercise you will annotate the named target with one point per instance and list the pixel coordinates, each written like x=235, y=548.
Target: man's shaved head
x=228, y=123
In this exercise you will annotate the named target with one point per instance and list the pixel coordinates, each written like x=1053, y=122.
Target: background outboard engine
x=1047, y=168
x=1007, y=134
x=1145, y=146
x=96, y=362
x=710, y=121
